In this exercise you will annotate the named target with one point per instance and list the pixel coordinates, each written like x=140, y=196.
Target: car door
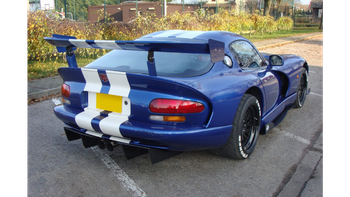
x=251, y=61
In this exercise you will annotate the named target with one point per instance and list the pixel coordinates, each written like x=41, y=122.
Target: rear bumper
x=144, y=135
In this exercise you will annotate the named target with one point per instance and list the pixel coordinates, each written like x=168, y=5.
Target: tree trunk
x=323, y=20
x=278, y=8
x=267, y=7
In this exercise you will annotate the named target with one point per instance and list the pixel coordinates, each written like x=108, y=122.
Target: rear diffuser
x=156, y=155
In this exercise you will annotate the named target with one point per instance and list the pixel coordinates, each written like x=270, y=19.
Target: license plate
x=109, y=102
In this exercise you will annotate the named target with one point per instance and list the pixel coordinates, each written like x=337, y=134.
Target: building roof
x=318, y=4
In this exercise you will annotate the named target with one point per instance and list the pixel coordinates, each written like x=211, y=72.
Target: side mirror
x=275, y=60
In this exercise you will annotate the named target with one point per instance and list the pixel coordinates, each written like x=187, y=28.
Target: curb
x=302, y=175
x=44, y=93
x=308, y=175
x=288, y=42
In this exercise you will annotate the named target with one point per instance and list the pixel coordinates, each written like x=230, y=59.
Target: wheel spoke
x=249, y=130
x=250, y=141
x=302, y=89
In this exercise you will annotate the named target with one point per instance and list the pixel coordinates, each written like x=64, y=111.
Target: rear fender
x=75, y=79
x=146, y=88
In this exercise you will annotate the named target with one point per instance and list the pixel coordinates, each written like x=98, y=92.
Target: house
x=213, y=5
x=317, y=9
x=236, y=5
x=35, y=5
x=126, y=11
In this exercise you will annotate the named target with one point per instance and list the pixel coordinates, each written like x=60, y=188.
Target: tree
x=267, y=7
x=323, y=16
x=251, y=4
x=279, y=4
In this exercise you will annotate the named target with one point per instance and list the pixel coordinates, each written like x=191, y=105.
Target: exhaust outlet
x=101, y=144
x=110, y=146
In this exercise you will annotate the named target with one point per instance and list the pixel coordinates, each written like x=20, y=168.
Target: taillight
x=172, y=106
x=65, y=90
x=168, y=118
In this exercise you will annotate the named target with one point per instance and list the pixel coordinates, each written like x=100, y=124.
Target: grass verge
x=48, y=68
x=281, y=34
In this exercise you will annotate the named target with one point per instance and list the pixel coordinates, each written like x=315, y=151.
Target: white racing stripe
x=126, y=181
x=93, y=82
x=190, y=35
x=116, y=139
x=94, y=134
x=107, y=44
x=110, y=125
x=92, y=100
x=123, y=140
x=119, y=85
x=80, y=43
x=168, y=33
x=84, y=118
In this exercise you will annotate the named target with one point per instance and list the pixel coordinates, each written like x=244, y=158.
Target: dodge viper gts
x=174, y=91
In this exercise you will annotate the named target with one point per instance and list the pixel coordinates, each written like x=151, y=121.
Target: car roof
x=191, y=36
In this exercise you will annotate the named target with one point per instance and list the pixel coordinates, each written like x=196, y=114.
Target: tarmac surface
x=289, y=161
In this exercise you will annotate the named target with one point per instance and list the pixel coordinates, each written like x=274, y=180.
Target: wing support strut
x=70, y=55
x=151, y=64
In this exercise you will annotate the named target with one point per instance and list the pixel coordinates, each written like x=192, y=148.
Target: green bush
x=285, y=23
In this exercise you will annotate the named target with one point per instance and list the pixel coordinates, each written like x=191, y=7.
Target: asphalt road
x=286, y=162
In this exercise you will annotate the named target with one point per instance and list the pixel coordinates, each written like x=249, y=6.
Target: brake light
x=65, y=90
x=172, y=106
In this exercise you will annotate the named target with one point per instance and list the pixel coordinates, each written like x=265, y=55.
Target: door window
x=246, y=55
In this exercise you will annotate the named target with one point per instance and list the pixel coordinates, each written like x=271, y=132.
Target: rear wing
x=68, y=44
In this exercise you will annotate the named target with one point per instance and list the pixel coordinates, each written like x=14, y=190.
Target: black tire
x=301, y=89
x=245, y=130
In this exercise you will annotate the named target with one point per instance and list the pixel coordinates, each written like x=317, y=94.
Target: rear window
x=167, y=63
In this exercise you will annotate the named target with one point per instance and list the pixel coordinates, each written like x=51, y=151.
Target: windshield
x=167, y=63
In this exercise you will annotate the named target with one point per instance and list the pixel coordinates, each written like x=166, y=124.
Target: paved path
x=261, y=45
x=52, y=85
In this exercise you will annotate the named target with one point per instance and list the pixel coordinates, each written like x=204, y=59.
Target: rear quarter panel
x=76, y=81
x=225, y=88
x=146, y=88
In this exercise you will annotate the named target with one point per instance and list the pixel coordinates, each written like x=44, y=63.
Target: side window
x=246, y=55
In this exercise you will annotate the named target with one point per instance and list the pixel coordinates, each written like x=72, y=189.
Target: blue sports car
x=174, y=91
